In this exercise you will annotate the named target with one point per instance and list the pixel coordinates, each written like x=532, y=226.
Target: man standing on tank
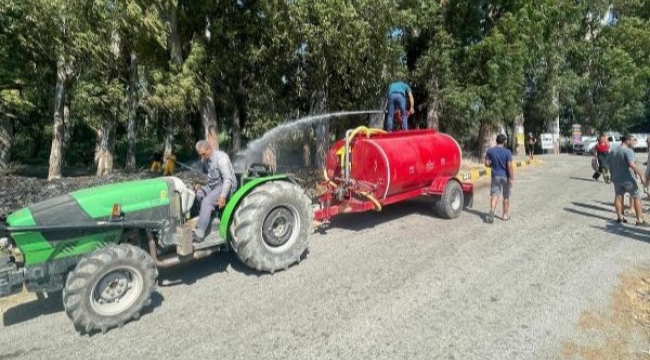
x=499, y=159
x=222, y=183
x=397, y=94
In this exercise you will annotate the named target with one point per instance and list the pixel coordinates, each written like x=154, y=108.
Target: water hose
x=349, y=135
x=329, y=181
x=371, y=198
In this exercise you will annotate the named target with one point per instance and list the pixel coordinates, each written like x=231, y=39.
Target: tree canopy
x=103, y=83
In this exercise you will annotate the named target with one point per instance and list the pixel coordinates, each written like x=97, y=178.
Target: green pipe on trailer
x=231, y=206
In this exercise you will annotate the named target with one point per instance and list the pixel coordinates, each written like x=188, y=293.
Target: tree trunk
x=377, y=120
x=487, y=137
x=104, y=149
x=6, y=137
x=169, y=138
x=67, y=126
x=319, y=106
x=174, y=38
x=133, y=107
x=519, y=141
x=306, y=147
x=56, y=152
x=554, y=124
x=433, y=105
x=241, y=117
x=269, y=156
x=209, y=119
x=236, y=133
x=322, y=142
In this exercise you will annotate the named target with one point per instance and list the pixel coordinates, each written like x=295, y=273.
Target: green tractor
x=102, y=246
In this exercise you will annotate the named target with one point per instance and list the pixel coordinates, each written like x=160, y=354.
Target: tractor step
x=213, y=239
x=207, y=243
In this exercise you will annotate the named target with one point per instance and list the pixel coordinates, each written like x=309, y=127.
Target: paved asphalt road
x=400, y=284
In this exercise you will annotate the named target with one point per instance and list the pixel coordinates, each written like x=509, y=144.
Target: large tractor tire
x=109, y=287
x=271, y=227
x=451, y=202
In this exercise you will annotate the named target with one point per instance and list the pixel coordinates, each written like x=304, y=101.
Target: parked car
x=641, y=145
x=580, y=148
x=614, y=141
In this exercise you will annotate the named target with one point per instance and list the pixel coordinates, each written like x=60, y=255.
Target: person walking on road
x=600, y=156
x=499, y=159
x=531, y=146
x=623, y=168
x=397, y=94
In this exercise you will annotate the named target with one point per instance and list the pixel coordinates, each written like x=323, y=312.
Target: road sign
x=547, y=141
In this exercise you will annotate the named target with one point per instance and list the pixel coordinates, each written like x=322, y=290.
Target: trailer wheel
x=109, y=287
x=451, y=202
x=271, y=226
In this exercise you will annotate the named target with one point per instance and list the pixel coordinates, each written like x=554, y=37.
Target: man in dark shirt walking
x=499, y=159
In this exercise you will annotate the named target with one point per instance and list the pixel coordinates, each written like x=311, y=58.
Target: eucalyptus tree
x=343, y=48
x=631, y=32
x=430, y=51
x=141, y=35
x=54, y=38
x=469, y=58
x=611, y=92
x=73, y=42
x=22, y=70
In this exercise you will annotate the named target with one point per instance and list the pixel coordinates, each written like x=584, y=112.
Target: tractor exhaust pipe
x=174, y=260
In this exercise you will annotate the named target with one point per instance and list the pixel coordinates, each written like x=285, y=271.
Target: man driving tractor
x=222, y=183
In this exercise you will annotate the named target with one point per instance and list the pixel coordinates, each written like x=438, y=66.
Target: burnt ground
x=30, y=186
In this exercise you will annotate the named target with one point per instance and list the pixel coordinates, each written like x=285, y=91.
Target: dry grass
x=610, y=331
x=470, y=162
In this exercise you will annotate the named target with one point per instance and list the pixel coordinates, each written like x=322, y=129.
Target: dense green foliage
x=130, y=76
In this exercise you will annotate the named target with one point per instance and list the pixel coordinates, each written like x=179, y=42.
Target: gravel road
x=400, y=284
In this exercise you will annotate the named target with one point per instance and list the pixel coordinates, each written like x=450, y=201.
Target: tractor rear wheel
x=109, y=287
x=451, y=202
x=271, y=226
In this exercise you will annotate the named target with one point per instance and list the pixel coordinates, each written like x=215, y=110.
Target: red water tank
x=390, y=164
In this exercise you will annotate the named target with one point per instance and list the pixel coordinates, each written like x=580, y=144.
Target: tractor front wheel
x=451, y=202
x=109, y=287
x=271, y=226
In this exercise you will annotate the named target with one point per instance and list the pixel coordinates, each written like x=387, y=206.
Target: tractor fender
x=238, y=196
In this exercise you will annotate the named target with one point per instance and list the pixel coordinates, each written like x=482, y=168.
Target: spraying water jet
x=253, y=151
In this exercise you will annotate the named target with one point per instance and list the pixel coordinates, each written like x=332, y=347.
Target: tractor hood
x=139, y=200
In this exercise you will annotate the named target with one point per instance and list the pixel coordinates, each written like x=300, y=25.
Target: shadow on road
x=594, y=207
x=188, y=273
x=481, y=214
x=369, y=219
x=33, y=309
x=52, y=304
x=579, y=212
x=582, y=179
x=629, y=231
